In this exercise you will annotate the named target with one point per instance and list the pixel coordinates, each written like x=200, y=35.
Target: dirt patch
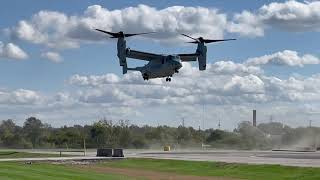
x=147, y=174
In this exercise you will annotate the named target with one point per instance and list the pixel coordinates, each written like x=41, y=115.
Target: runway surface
x=303, y=159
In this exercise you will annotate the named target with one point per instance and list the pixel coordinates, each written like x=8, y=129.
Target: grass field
x=14, y=154
x=42, y=171
x=242, y=171
x=153, y=169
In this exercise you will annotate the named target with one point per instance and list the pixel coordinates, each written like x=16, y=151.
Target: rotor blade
x=216, y=40
x=128, y=35
x=110, y=33
x=190, y=37
x=194, y=42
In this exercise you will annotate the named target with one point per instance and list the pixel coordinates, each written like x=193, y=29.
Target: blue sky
x=285, y=35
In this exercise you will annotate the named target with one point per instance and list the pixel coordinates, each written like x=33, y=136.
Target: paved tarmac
x=76, y=158
x=303, y=159
x=289, y=158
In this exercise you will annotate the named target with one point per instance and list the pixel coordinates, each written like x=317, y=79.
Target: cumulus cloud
x=19, y=97
x=246, y=84
x=294, y=89
x=110, y=78
x=286, y=57
x=225, y=85
x=12, y=51
x=58, y=30
x=52, y=56
x=94, y=80
x=288, y=16
x=224, y=82
x=230, y=67
x=246, y=24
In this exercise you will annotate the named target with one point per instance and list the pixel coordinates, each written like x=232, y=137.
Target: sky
x=54, y=66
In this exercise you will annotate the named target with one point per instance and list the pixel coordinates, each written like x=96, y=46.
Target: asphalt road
x=303, y=159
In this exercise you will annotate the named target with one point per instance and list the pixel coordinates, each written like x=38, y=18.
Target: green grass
x=39, y=171
x=43, y=171
x=15, y=154
x=243, y=171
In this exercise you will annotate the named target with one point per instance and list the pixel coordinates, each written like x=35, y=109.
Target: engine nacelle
x=121, y=47
x=202, y=58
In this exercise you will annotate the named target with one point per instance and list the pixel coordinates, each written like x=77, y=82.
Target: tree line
x=121, y=134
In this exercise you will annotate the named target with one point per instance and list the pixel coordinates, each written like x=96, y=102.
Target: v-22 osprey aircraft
x=159, y=65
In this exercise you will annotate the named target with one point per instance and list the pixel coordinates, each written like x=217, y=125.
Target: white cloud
x=52, y=56
x=230, y=91
x=58, y=30
x=20, y=97
x=246, y=24
x=243, y=85
x=229, y=67
x=94, y=80
x=289, y=16
x=226, y=86
x=286, y=57
x=224, y=82
x=12, y=51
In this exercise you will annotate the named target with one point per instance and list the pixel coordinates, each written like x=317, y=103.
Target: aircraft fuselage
x=165, y=68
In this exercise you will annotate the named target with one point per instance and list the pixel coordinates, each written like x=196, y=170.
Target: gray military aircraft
x=160, y=65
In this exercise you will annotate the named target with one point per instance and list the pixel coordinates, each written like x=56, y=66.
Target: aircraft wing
x=142, y=55
x=189, y=57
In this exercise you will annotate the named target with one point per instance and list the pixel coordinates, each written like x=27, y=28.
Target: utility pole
x=271, y=118
x=310, y=122
x=182, y=121
x=219, y=125
x=254, y=118
x=203, y=116
x=84, y=146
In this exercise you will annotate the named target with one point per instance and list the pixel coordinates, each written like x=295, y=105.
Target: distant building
x=254, y=118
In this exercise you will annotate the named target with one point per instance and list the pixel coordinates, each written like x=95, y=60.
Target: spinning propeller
x=121, y=33
x=202, y=40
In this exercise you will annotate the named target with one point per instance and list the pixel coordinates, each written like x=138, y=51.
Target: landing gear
x=168, y=79
x=145, y=77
